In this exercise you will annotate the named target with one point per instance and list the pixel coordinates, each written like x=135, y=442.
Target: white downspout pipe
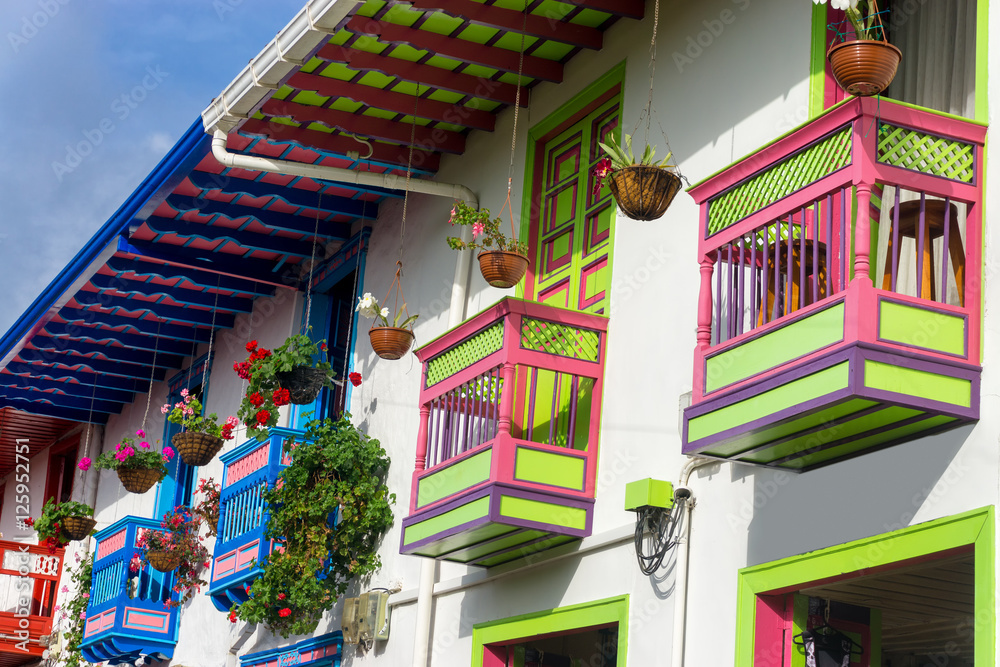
x=686, y=498
x=456, y=311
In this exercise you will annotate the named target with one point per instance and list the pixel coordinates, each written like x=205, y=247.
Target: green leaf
x=409, y=320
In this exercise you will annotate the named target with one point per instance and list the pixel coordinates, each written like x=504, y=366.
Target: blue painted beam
x=177, y=332
x=62, y=400
x=77, y=332
x=84, y=377
x=264, y=271
x=249, y=240
x=71, y=388
x=193, y=276
x=159, y=310
x=123, y=354
x=49, y=358
x=332, y=204
x=303, y=224
x=187, y=297
x=41, y=409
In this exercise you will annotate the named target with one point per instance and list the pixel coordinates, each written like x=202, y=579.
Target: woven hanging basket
x=302, y=382
x=77, y=527
x=864, y=67
x=643, y=191
x=138, y=480
x=390, y=342
x=163, y=560
x=196, y=449
x=502, y=269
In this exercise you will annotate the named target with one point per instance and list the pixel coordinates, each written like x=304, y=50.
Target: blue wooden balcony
x=240, y=545
x=322, y=651
x=127, y=617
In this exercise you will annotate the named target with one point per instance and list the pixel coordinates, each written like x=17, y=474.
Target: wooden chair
x=909, y=225
x=790, y=297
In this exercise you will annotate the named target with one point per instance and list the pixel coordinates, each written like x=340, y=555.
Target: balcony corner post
x=421, y=461
x=705, y=302
x=507, y=398
x=862, y=233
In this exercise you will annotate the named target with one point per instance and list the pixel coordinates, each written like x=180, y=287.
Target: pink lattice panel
x=248, y=464
x=111, y=544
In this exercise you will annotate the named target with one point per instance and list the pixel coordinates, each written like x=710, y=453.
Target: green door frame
x=973, y=529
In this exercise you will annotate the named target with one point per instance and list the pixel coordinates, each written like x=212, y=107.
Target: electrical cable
x=662, y=525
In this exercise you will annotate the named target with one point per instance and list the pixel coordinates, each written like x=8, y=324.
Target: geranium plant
x=74, y=611
x=369, y=306
x=264, y=394
x=482, y=226
x=208, y=507
x=49, y=525
x=329, y=512
x=188, y=413
x=179, y=535
x=129, y=454
x=863, y=16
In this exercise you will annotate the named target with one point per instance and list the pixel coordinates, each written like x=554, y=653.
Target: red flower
x=260, y=353
x=322, y=346
x=232, y=616
x=227, y=432
x=251, y=346
x=263, y=416
x=285, y=612
x=281, y=596
x=355, y=378
x=256, y=399
x=242, y=369
x=281, y=397
x=29, y=522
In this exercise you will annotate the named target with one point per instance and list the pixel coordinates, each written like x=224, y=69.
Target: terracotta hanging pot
x=644, y=191
x=77, y=527
x=501, y=268
x=196, y=449
x=138, y=480
x=163, y=560
x=302, y=382
x=390, y=342
x=864, y=67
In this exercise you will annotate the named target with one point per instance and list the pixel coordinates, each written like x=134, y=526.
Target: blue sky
x=120, y=80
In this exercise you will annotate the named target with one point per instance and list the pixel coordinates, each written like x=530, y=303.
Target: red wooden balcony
x=839, y=307
x=29, y=577
x=510, y=407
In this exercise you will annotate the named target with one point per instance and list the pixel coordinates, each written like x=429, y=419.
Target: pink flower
x=165, y=459
x=168, y=453
x=86, y=596
x=478, y=229
x=184, y=392
x=141, y=433
x=452, y=218
x=55, y=609
x=189, y=411
x=165, y=409
x=144, y=444
x=64, y=589
x=83, y=614
x=232, y=421
x=84, y=464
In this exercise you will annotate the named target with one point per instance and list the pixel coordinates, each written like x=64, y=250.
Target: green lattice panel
x=561, y=339
x=794, y=173
x=927, y=153
x=466, y=353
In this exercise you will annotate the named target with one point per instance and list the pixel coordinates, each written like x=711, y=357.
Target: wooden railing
x=871, y=194
x=29, y=577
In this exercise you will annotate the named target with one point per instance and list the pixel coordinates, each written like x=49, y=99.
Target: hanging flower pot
x=390, y=342
x=163, y=560
x=302, y=382
x=196, y=449
x=644, y=191
x=138, y=480
x=864, y=67
x=501, y=268
x=77, y=527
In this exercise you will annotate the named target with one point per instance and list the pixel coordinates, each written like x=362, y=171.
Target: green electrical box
x=648, y=492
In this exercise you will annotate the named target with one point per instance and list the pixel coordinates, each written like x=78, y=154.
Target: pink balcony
x=510, y=407
x=839, y=307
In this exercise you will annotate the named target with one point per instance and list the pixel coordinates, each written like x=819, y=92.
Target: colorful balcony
x=29, y=577
x=127, y=617
x=240, y=545
x=322, y=651
x=510, y=407
x=839, y=307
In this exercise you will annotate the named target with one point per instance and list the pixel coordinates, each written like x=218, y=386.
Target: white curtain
x=938, y=41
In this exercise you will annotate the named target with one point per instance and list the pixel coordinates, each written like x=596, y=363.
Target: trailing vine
x=75, y=611
x=329, y=510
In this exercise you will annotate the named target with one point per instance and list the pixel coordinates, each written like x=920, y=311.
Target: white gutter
x=289, y=50
x=686, y=498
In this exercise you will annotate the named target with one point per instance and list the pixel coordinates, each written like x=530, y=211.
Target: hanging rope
x=409, y=170
x=149, y=392
x=312, y=263
x=397, y=298
x=513, y=135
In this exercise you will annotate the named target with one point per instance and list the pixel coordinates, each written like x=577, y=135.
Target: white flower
x=842, y=5
x=367, y=306
x=384, y=313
